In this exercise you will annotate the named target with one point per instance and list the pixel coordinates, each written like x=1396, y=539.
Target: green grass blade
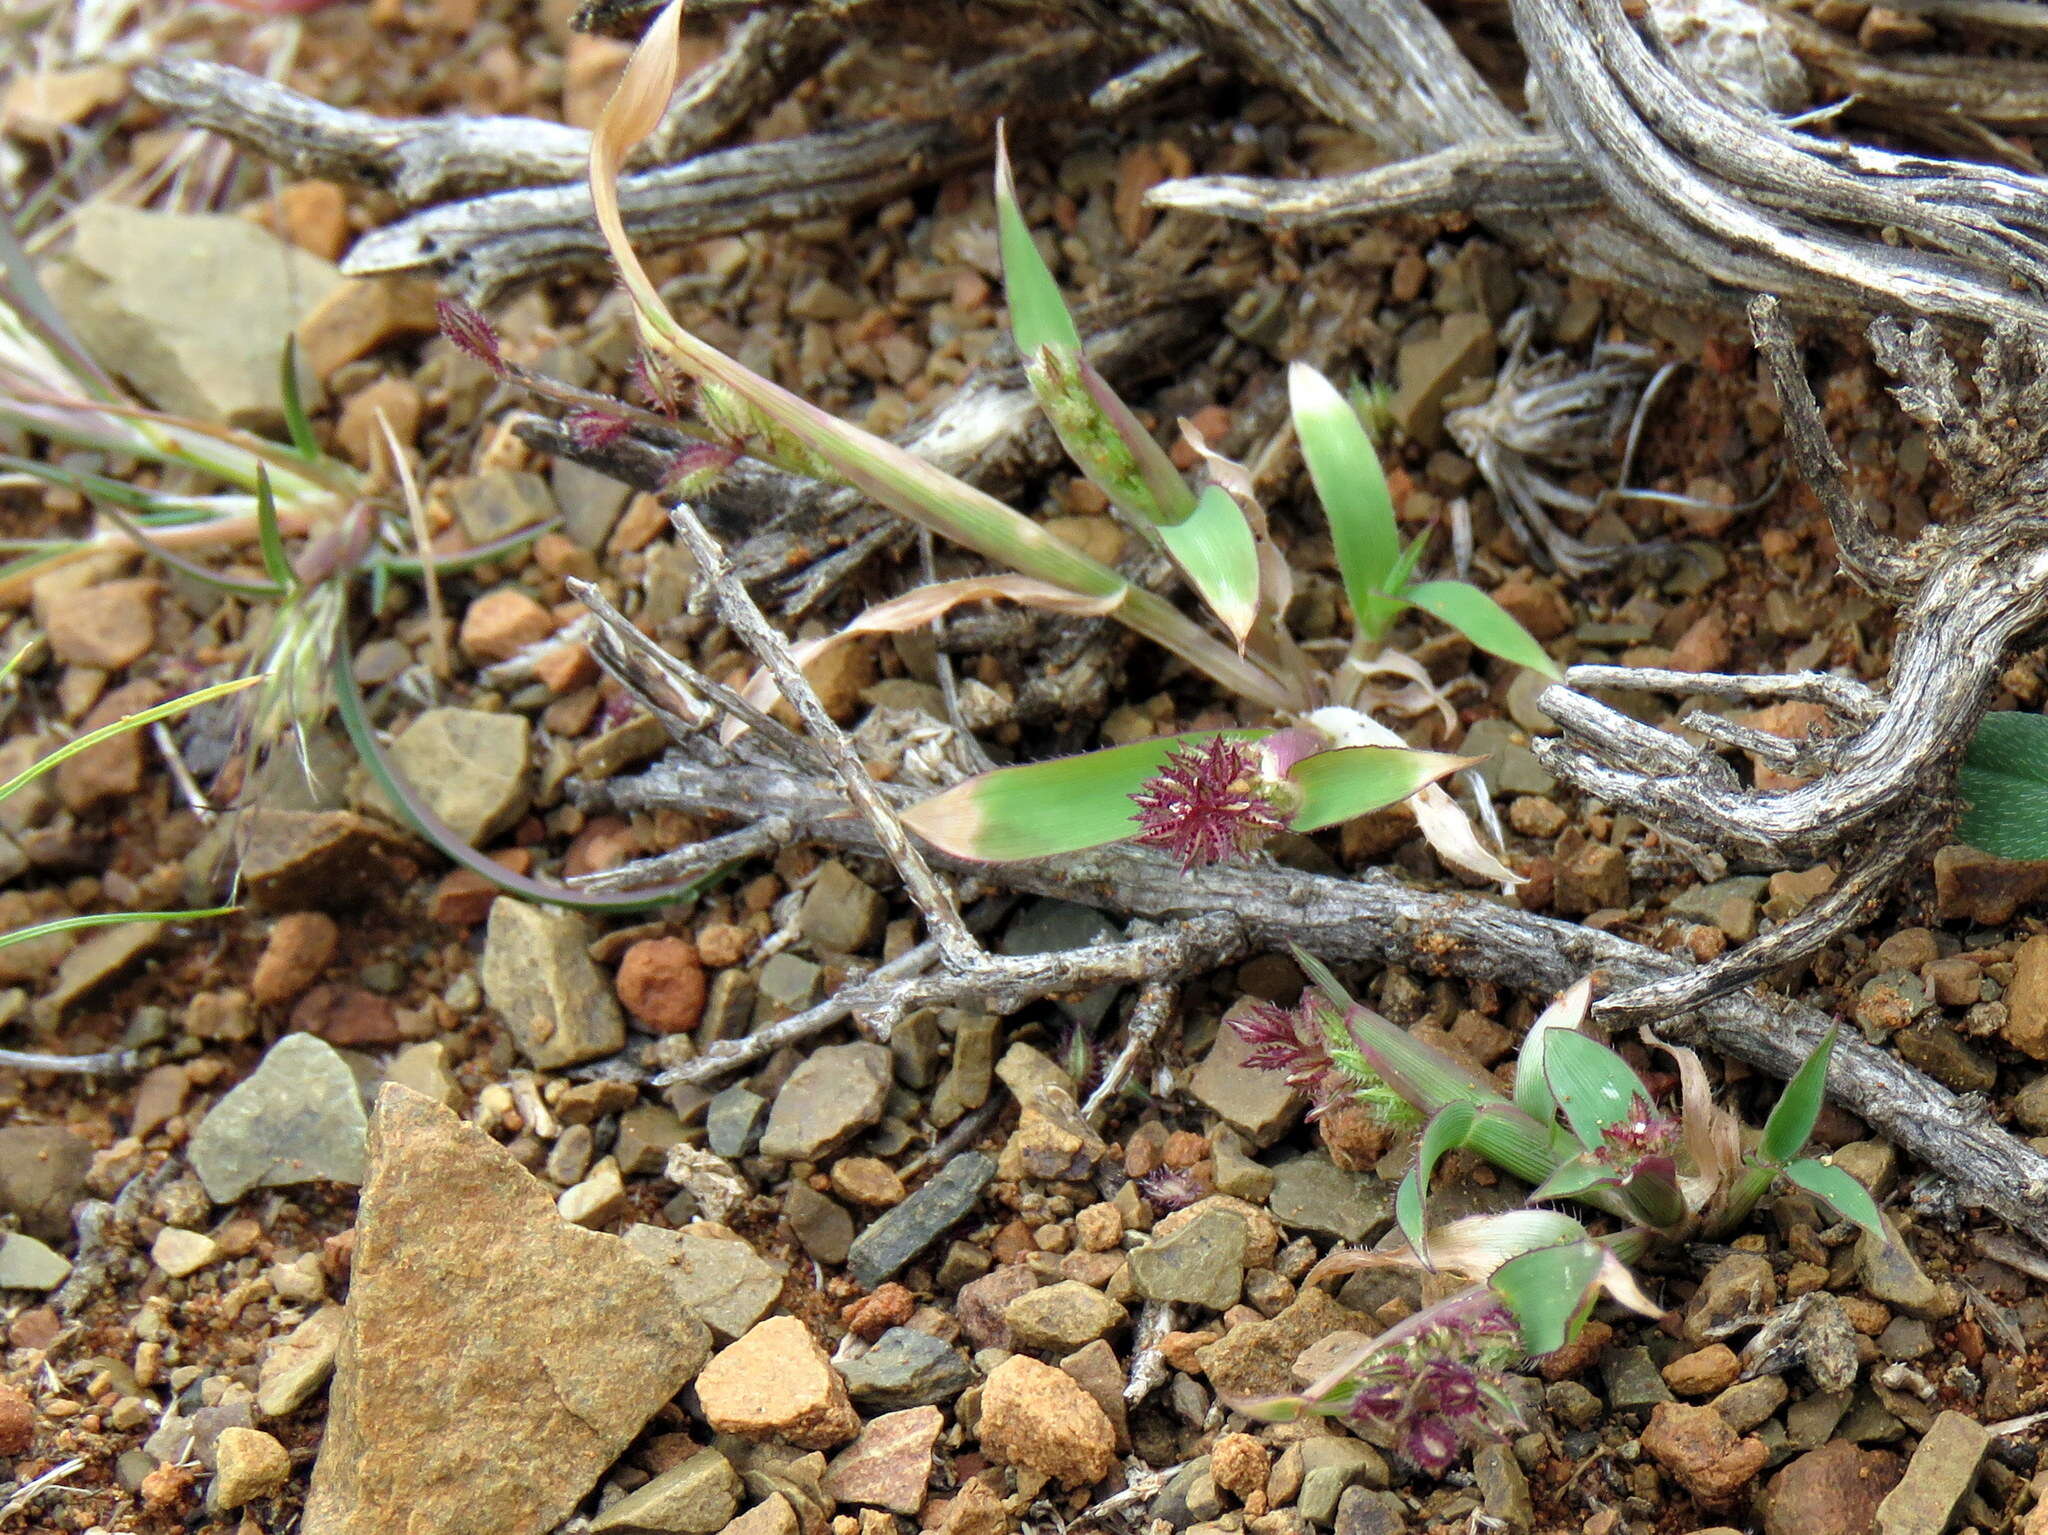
x=1793, y=1116
x=1840, y=1191
x=1446, y=1131
x=296, y=421
x=1038, y=314
x=1339, y=785
x=269, y=535
x=1215, y=550
x=121, y=726
x=1350, y=484
x=1482, y=621
x=109, y=919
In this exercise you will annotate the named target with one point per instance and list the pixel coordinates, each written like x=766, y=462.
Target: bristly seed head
x=1440, y=1390
x=1211, y=802
x=470, y=332
x=695, y=469
x=1172, y=1188
x=660, y=382
x=1293, y=1041
x=1642, y=1132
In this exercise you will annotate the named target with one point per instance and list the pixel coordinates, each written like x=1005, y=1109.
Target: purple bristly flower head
x=1211, y=802
x=470, y=332
x=594, y=429
x=1292, y=1041
x=1436, y=1384
x=1172, y=1188
x=1640, y=1133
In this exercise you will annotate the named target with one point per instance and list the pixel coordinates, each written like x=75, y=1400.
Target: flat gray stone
x=297, y=1119
x=834, y=1095
x=1312, y=1193
x=471, y=767
x=733, y=1120
x=1201, y=1264
x=1937, y=1479
x=907, y=1368
x=840, y=913
x=42, y=1175
x=888, y=1243
x=698, y=1497
x=539, y=979
x=194, y=307
x=26, y=1264
x=723, y=1282
x=1256, y=1103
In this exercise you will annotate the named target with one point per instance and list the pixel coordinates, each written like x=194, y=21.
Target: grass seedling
x=1200, y=797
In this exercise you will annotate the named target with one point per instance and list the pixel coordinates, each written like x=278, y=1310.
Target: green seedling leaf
x=1839, y=1191
x=1339, y=785
x=276, y=564
x=296, y=421
x=1219, y=557
x=1566, y=1012
x=1592, y=1085
x=1444, y=1133
x=1575, y=1177
x=1352, y=489
x=1482, y=621
x=2004, y=778
x=1652, y=1190
x=109, y=919
x=1791, y=1123
x=1103, y=436
x=1038, y=314
x=126, y=723
x=1552, y=1290
x=1043, y=809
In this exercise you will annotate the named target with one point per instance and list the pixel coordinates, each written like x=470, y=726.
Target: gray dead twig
x=737, y=607
x=423, y=160
x=1968, y=594
x=1375, y=918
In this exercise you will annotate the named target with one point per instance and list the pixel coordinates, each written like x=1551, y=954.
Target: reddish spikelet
x=1208, y=803
x=470, y=332
x=1292, y=1042
x=660, y=383
x=695, y=469
x=1439, y=1390
x=1643, y=1132
x=596, y=429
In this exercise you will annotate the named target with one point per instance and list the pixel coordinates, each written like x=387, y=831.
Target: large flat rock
x=496, y=1359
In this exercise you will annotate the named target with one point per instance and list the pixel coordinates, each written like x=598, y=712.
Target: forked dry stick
x=1884, y=791
x=743, y=615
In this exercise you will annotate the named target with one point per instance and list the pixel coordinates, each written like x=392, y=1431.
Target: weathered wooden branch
x=1375, y=918
x=489, y=244
x=1970, y=592
x=423, y=160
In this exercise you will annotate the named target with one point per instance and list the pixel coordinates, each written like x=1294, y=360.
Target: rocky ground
x=397, y=1195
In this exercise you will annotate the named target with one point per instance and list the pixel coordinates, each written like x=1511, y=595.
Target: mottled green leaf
x=1840, y=1191
x=1592, y=1085
x=2004, y=780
